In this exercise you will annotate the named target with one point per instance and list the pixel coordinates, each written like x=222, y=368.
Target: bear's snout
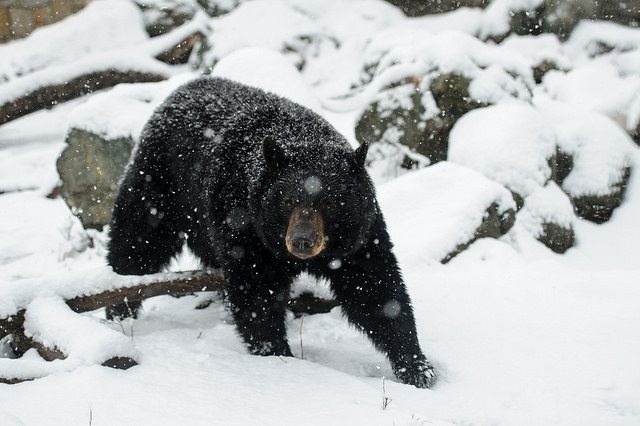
x=305, y=233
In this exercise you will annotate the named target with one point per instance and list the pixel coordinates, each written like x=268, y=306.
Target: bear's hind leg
x=143, y=236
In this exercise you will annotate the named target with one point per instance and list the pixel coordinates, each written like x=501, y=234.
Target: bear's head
x=317, y=200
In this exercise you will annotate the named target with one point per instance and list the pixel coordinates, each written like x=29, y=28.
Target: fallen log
x=183, y=284
x=142, y=64
x=38, y=325
x=53, y=94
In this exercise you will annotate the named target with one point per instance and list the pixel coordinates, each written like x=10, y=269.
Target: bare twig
x=385, y=401
x=300, y=331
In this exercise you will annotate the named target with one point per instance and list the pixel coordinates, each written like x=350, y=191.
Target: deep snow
x=520, y=335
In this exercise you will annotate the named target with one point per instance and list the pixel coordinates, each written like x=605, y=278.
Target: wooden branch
x=187, y=283
x=21, y=344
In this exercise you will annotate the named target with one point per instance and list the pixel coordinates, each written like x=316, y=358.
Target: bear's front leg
x=257, y=292
x=372, y=294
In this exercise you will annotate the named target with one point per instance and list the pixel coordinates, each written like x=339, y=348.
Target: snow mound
x=546, y=204
x=496, y=19
x=273, y=26
x=269, y=71
x=597, y=86
x=490, y=68
x=32, y=245
x=124, y=110
x=350, y=20
x=548, y=216
x=98, y=27
x=49, y=321
x=601, y=151
x=433, y=211
x=465, y=19
x=591, y=39
x=510, y=143
x=538, y=49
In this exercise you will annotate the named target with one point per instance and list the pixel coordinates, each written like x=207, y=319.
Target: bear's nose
x=305, y=233
x=303, y=242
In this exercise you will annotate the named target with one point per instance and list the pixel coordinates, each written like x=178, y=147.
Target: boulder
x=161, y=17
x=417, y=84
x=548, y=215
x=598, y=208
x=593, y=159
x=430, y=7
x=101, y=136
x=417, y=115
x=90, y=168
x=440, y=210
x=510, y=143
x=560, y=17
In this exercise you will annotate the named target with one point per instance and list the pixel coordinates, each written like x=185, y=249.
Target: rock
x=304, y=47
x=599, y=208
x=90, y=168
x=560, y=17
x=417, y=117
x=442, y=209
x=219, y=7
x=430, y=7
x=102, y=133
x=160, y=17
x=541, y=69
x=548, y=215
x=593, y=160
x=510, y=143
x=543, y=52
x=494, y=225
x=557, y=238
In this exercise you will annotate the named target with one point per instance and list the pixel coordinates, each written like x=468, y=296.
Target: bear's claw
x=421, y=374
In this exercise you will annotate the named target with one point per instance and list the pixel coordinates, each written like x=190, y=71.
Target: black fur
x=222, y=165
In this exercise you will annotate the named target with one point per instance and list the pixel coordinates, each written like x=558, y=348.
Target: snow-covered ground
x=520, y=335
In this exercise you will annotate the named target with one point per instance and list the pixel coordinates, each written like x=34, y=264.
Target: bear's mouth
x=305, y=234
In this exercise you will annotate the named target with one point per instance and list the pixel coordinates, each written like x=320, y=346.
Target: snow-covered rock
x=548, y=215
x=416, y=116
x=101, y=135
x=510, y=143
x=98, y=27
x=268, y=29
x=544, y=53
x=600, y=157
x=427, y=82
x=435, y=213
x=599, y=87
x=268, y=70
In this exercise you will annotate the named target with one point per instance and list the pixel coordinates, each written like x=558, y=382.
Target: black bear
x=265, y=189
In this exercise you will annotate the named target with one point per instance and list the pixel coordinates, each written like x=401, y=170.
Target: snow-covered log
x=64, y=341
x=56, y=84
x=43, y=315
x=87, y=291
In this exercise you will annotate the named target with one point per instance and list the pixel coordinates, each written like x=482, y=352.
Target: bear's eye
x=330, y=203
x=289, y=202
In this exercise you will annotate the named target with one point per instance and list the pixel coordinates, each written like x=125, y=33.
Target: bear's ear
x=360, y=155
x=273, y=154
